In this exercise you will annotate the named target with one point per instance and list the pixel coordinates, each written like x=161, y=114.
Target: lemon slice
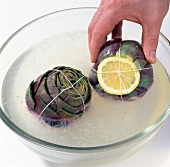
x=118, y=76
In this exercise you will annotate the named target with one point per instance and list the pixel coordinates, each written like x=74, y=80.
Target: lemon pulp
x=117, y=75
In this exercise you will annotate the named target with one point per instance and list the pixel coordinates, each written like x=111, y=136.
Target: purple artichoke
x=59, y=96
x=126, y=49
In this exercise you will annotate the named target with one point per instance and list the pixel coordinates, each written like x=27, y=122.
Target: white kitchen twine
x=72, y=86
x=121, y=71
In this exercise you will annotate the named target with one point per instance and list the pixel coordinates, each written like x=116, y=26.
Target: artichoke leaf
x=128, y=48
x=43, y=110
x=67, y=107
x=43, y=93
x=65, y=114
x=30, y=100
x=109, y=49
x=51, y=85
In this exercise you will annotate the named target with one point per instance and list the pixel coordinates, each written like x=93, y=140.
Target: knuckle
x=90, y=29
x=116, y=4
x=154, y=20
x=111, y=2
x=96, y=31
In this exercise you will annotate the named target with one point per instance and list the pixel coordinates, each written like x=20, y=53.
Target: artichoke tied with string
x=131, y=50
x=59, y=96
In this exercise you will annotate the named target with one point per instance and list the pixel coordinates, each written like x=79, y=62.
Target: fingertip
x=95, y=47
x=93, y=58
x=152, y=57
x=150, y=39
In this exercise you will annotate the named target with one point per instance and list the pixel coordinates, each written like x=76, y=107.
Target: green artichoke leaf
x=70, y=109
x=47, y=110
x=42, y=91
x=145, y=82
x=72, y=101
x=127, y=48
x=39, y=79
x=65, y=114
x=140, y=64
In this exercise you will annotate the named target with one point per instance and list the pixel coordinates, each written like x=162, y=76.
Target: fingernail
x=92, y=59
x=152, y=56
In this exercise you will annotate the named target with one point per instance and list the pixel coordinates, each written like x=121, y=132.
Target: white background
x=16, y=13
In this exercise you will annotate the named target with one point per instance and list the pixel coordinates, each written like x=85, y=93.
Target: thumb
x=150, y=38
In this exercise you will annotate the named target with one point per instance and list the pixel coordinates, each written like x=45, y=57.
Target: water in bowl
x=105, y=122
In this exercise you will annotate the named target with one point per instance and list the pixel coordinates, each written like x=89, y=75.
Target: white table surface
x=16, y=13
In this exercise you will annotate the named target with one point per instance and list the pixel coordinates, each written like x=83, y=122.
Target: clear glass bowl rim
x=42, y=143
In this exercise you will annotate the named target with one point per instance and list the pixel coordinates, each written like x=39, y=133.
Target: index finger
x=94, y=20
x=103, y=27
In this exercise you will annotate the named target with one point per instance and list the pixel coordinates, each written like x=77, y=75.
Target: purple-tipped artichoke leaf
x=39, y=79
x=42, y=91
x=51, y=84
x=30, y=100
x=37, y=82
x=44, y=110
x=140, y=64
x=109, y=49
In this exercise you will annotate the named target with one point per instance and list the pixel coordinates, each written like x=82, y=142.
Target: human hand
x=108, y=18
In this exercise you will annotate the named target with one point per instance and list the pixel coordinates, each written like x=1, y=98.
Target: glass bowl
x=60, y=38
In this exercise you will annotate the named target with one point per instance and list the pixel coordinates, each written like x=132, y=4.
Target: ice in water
x=105, y=122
